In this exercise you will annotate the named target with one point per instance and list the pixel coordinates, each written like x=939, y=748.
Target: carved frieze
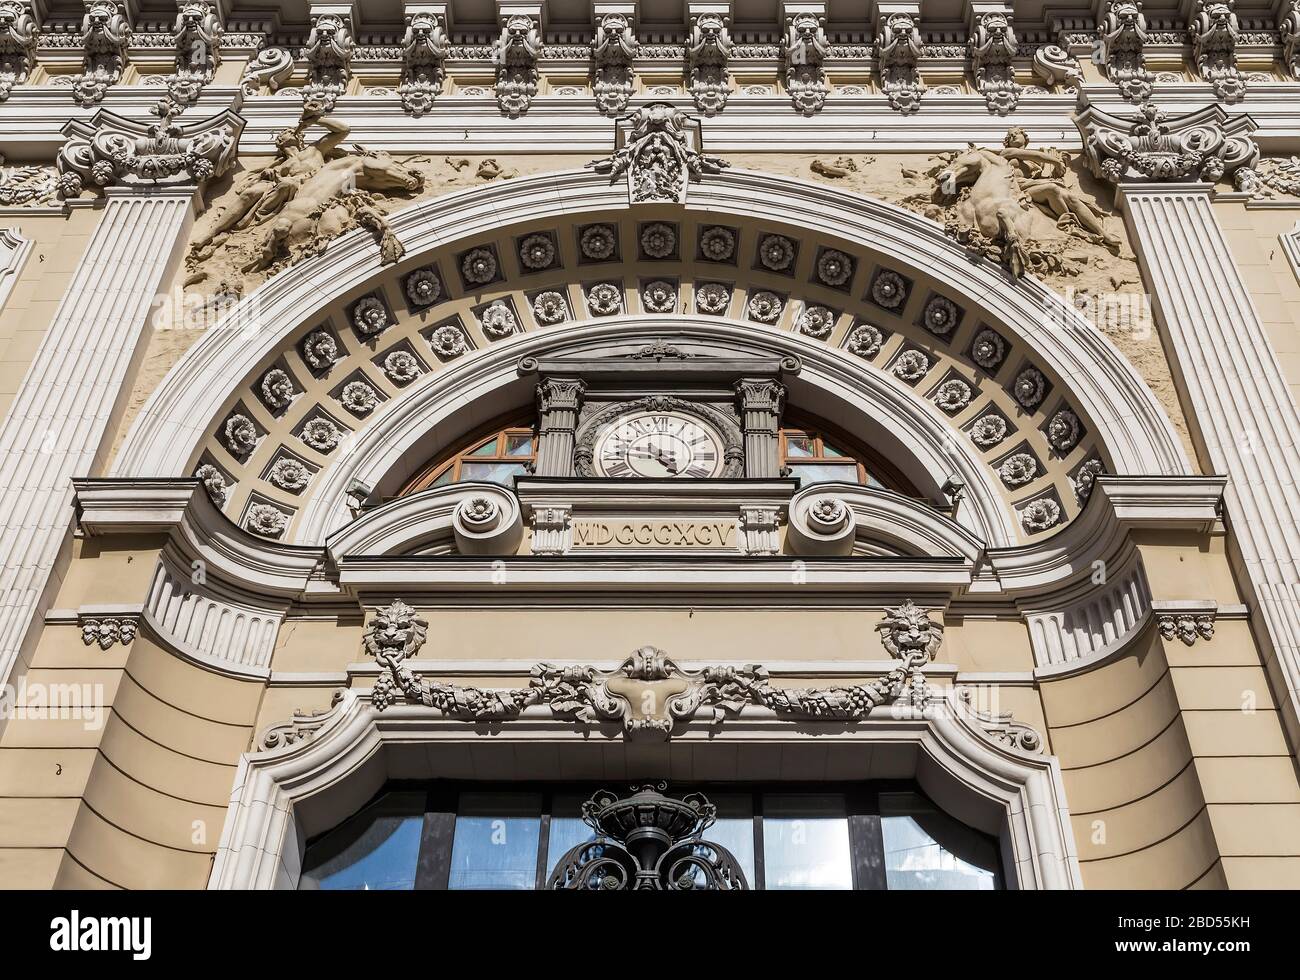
x=18, y=27
x=649, y=694
x=805, y=51
x=197, y=35
x=424, y=52
x=898, y=48
x=657, y=158
x=28, y=186
x=708, y=52
x=517, y=50
x=612, y=52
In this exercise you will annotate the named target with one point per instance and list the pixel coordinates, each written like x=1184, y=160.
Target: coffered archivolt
x=999, y=384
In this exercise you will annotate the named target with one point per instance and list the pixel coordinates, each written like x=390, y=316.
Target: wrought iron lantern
x=648, y=841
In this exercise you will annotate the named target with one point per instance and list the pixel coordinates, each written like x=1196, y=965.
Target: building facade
x=662, y=445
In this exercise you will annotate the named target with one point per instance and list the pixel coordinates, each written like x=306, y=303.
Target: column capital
x=559, y=394
x=1151, y=147
x=760, y=394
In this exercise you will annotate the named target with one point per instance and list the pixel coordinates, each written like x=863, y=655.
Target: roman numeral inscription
x=654, y=534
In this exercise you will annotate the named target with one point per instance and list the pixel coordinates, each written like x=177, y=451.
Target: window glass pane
x=488, y=448
x=446, y=476
x=825, y=472
x=492, y=472
x=567, y=828
x=925, y=849
x=873, y=482
x=829, y=450
x=519, y=444
x=377, y=849
x=806, y=842
x=798, y=445
x=496, y=840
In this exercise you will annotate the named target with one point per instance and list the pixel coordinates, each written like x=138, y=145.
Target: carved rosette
x=111, y=149
x=1205, y=145
x=328, y=53
x=517, y=51
x=197, y=36
x=992, y=46
x=657, y=159
x=1123, y=36
x=649, y=694
x=613, y=50
x=805, y=50
x=1215, y=31
x=708, y=51
x=18, y=30
x=424, y=53
x=105, y=36
x=898, y=48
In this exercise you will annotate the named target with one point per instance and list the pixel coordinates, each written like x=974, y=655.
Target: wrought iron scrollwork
x=648, y=841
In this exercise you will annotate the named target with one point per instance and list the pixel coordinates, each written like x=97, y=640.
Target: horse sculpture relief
x=1013, y=204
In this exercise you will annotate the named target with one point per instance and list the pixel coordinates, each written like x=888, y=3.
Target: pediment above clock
x=661, y=356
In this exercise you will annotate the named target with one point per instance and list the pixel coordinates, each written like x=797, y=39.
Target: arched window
x=817, y=452
x=495, y=455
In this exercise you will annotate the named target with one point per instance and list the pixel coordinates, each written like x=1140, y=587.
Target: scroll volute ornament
x=1289, y=30
x=648, y=841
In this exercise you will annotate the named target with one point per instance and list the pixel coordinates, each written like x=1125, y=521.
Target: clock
x=658, y=446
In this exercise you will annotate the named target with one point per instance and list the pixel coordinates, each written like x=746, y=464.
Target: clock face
x=659, y=445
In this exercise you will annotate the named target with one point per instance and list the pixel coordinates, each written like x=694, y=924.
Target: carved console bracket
x=613, y=49
x=804, y=51
x=19, y=25
x=105, y=36
x=1123, y=36
x=648, y=693
x=106, y=630
x=197, y=36
x=424, y=53
x=1215, y=31
x=517, y=51
x=1288, y=28
x=898, y=49
x=328, y=53
x=992, y=46
x=708, y=52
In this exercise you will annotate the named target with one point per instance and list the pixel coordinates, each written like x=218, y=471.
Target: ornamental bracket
x=657, y=148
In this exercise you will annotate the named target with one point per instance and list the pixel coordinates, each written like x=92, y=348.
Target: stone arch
x=1122, y=428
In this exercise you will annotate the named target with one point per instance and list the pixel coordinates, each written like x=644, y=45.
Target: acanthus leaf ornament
x=1215, y=32
x=805, y=51
x=197, y=35
x=1123, y=37
x=992, y=46
x=898, y=49
x=648, y=694
x=111, y=149
x=657, y=157
x=270, y=67
x=105, y=36
x=424, y=53
x=1205, y=145
x=328, y=53
x=613, y=50
x=18, y=33
x=708, y=50
x=516, y=53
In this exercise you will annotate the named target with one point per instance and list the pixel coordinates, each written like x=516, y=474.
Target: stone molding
x=288, y=794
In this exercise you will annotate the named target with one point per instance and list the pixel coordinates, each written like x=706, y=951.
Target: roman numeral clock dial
x=659, y=446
